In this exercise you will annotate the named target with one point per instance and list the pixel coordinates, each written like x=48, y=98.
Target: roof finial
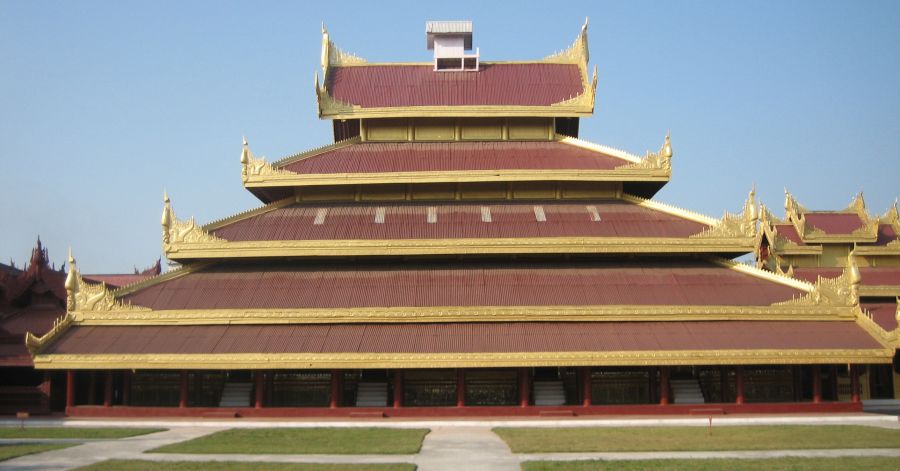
x=245, y=152
x=666, y=150
x=585, y=25
x=324, y=31
x=71, y=283
x=167, y=216
x=751, y=204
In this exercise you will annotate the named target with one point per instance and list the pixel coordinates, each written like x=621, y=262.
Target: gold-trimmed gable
x=176, y=232
x=796, y=214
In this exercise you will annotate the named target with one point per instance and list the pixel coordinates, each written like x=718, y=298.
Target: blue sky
x=103, y=104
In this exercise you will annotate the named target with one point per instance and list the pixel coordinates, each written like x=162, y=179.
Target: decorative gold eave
x=879, y=291
x=238, y=361
x=408, y=247
x=576, y=106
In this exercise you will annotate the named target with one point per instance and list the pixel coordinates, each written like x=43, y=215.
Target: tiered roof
x=523, y=249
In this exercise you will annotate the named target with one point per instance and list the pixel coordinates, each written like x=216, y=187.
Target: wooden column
x=739, y=385
x=70, y=388
x=336, y=388
x=126, y=387
x=854, y=383
x=398, y=389
x=108, y=389
x=523, y=387
x=664, y=386
x=817, y=384
x=834, y=382
x=460, y=387
x=587, y=387
x=259, y=385
x=183, y=394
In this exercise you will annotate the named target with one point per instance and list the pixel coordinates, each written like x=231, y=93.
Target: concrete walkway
x=451, y=445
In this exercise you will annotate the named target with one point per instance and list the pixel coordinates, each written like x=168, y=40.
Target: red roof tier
x=834, y=223
x=305, y=285
x=602, y=218
x=379, y=157
x=502, y=337
x=383, y=86
x=884, y=314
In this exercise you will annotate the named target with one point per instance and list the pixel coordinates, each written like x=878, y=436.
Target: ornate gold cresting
x=736, y=225
x=256, y=167
x=176, y=232
x=840, y=291
x=577, y=53
x=660, y=160
x=34, y=343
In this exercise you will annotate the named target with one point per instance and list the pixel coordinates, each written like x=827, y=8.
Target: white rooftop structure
x=450, y=40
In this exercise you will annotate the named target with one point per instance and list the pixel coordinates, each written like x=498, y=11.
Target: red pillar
x=523, y=387
x=586, y=386
x=664, y=386
x=108, y=389
x=854, y=383
x=336, y=388
x=126, y=387
x=817, y=384
x=259, y=385
x=398, y=389
x=70, y=388
x=739, y=385
x=460, y=387
x=183, y=395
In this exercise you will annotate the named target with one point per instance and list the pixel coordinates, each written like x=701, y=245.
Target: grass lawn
x=138, y=465
x=761, y=437
x=72, y=432
x=339, y=441
x=773, y=464
x=8, y=452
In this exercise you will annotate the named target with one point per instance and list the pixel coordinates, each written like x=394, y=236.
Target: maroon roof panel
x=305, y=285
x=884, y=314
x=871, y=276
x=499, y=337
x=834, y=223
x=459, y=220
x=379, y=86
x=377, y=157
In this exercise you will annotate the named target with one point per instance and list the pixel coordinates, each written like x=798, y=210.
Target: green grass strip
x=779, y=437
x=10, y=451
x=73, y=432
x=141, y=465
x=868, y=463
x=337, y=441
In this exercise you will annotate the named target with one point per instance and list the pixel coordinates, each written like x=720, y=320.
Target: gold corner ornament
x=34, y=343
x=660, y=160
x=332, y=56
x=739, y=225
x=840, y=291
x=252, y=166
x=577, y=53
x=175, y=231
x=83, y=296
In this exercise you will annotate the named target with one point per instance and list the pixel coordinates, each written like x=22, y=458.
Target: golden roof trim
x=739, y=225
x=252, y=166
x=463, y=360
x=839, y=291
x=247, y=214
x=599, y=148
x=795, y=214
x=177, y=231
x=443, y=314
x=465, y=246
x=316, y=151
x=766, y=275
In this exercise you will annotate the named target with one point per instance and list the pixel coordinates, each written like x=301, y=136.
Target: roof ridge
x=671, y=209
x=218, y=223
x=585, y=144
x=751, y=270
x=315, y=151
x=173, y=273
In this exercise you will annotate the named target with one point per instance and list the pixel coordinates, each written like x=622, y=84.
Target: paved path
x=468, y=448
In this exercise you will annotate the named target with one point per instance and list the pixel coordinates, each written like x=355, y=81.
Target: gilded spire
x=72, y=282
x=854, y=277
x=245, y=149
x=666, y=149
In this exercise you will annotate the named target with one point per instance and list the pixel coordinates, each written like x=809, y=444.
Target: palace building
x=458, y=249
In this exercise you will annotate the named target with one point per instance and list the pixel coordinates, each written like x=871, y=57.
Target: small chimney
x=450, y=40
